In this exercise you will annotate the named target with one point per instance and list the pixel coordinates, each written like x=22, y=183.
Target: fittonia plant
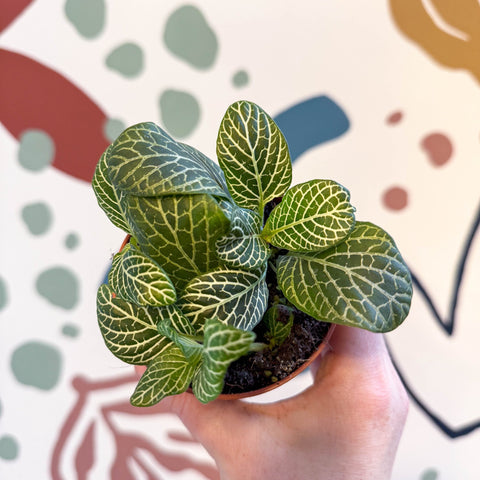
x=185, y=294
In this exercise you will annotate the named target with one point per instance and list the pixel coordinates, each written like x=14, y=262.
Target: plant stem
x=257, y=347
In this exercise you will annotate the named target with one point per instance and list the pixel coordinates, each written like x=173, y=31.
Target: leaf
x=170, y=373
x=223, y=344
x=362, y=282
x=243, y=247
x=138, y=279
x=189, y=347
x=108, y=197
x=253, y=154
x=146, y=161
x=235, y=297
x=312, y=216
x=130, y=332
x=279, y=321
x=179, y=233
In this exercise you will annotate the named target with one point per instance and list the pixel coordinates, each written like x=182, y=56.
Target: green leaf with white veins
x=138, y=279
x=235, y=297
x=254, y=156
x=223, y=344
x=169, y=374
x=312, y=216
x=145, y=161
x=361, y=282
x=108, y=198
x=184, y=340
x=242, y=246
x=178, y=232
x=129, y=331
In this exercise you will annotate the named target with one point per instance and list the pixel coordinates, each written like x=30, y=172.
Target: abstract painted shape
x=36, y=97
x=448, y=31
x=11, y=10
x=240, y=79
x=85, y=457
x=72, y=241
x=394, y=118
x=113, y=128
x=8, y=447
x=429, y=474
x=180, y=112
x=126, y=59
x=36, y=150
x=37, y=364
x=3, y=294
x=311, y=123
x=188, y=36
x=438, y=147
x=60, y=286
x=70, y=330
x=395, y=198
x=87, y=16
x=37, y=217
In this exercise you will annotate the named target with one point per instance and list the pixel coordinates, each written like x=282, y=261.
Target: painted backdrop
x=383, y=98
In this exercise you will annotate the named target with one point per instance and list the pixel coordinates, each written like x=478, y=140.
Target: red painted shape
x=395, y=198
x=439, y=148
x=85, y=457
x=36, y=97
x=10, y=10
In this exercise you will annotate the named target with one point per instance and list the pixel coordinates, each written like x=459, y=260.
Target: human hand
x=347, y=425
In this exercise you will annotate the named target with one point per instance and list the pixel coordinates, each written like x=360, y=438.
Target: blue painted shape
x=311, y=123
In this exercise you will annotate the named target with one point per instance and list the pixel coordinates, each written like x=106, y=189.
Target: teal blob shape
x=87, y=16
x=126, y=59
x=36, y=364
x=72, y=241
x=37, y=217
x=59, y=286
x=70, y=330
x=36, y=150
x=8, y=448
x=3, y=294
x=180, y=112
x=188, y=36
x=112, y=128
x=429, y=474
x=240, y=79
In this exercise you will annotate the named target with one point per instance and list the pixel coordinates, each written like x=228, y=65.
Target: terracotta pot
x=252, y=393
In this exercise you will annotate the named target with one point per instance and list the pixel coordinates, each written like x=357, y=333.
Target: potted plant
x=224, y=261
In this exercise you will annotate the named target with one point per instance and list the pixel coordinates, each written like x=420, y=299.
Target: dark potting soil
x=260, y=369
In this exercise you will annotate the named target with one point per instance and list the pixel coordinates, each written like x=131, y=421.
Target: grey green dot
x=72, y=241
x=3, y=294
x=112, y=128
x=240, y=79
x=126, y=59
x=37, y=217
x=429, y=474
x=188, y=36
x=87, y=16
x=60, y=286
x=37, y=364
x=180, y=112
x=70, y=330
x=8, y=448
x=36, y=150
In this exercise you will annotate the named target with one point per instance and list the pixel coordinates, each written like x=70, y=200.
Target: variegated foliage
x=184, y=296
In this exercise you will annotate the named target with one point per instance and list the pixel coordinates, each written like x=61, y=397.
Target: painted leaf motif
x=138, y=279
x=108, y=197
x=312, y=216
x=169, y=373
x=254, y=156
x=235, y=297
x=146, y=161
x=243, y=247
x=362, y=282
x=179, y=233
x=129, y=331
x=223, y=344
